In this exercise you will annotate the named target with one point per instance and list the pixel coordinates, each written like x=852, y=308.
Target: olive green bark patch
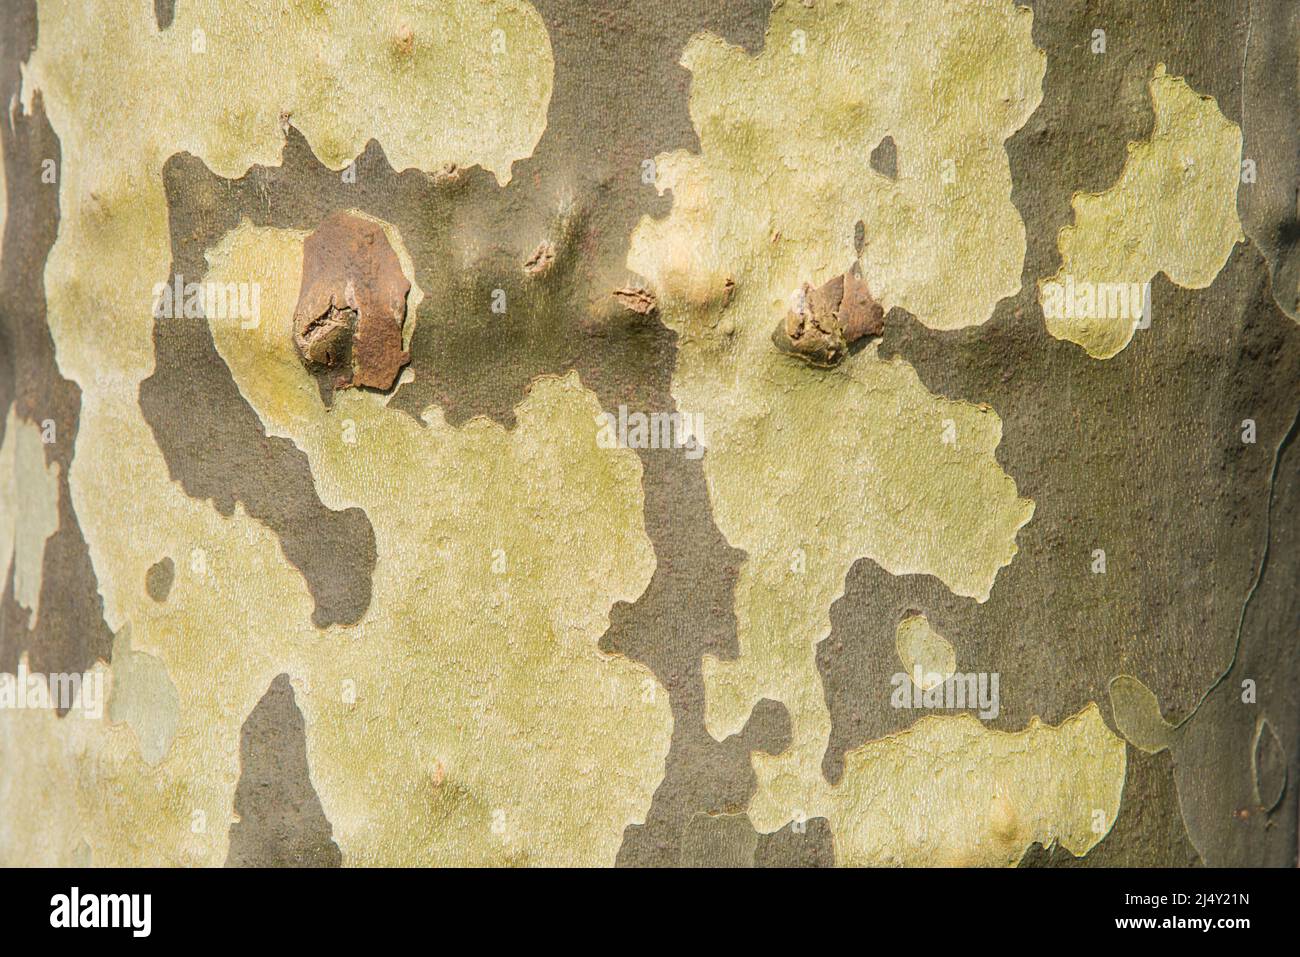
x=1270, y=102
x=884, y=158
x=719, y=840
x=1137, y=715
x=158, y=580
x=1270, y=766
x=1236, y=756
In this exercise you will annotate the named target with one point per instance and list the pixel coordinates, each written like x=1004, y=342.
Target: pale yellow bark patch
x=1172, y=210
x=223, y=77
x=786, y=137
x=950, y=792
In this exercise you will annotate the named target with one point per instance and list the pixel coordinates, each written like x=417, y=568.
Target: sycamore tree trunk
x=573, y=432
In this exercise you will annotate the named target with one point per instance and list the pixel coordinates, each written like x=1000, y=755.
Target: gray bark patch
x=281, y=821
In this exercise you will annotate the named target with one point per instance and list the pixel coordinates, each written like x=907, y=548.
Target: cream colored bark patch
x=1173, y=210
x=29, y=509
x=41, y=757
x=950, y=792
x=924, y=652
x=809, y=470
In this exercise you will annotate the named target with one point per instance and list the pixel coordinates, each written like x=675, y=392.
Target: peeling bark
x=352, y=306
